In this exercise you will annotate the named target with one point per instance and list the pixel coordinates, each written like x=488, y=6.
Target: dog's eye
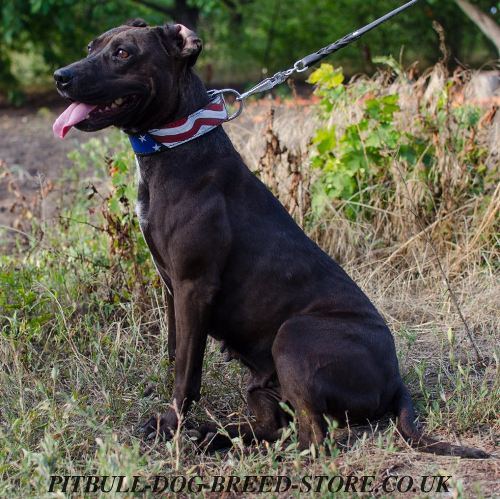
x=122, y=54
x=89, y=48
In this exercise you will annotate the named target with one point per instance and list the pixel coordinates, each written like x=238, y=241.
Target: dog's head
x=131, y=75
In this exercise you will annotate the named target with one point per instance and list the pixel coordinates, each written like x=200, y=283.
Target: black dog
x=236, y=264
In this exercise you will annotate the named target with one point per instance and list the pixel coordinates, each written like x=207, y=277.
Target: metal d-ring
x=223, y=91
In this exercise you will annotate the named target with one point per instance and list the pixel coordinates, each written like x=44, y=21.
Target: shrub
x=403, y=155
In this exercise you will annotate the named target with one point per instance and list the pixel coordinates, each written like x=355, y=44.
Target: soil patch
x=31, y=160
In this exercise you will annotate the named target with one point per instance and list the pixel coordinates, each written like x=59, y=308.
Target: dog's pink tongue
x=75, y=113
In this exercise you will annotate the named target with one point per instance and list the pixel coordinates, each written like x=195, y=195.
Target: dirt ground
x=32, y=159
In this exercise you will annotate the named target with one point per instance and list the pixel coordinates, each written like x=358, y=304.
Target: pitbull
x=236, y=265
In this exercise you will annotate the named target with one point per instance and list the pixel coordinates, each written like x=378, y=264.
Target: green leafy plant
x=369, y=158
x=359, y=156
x=94, y=257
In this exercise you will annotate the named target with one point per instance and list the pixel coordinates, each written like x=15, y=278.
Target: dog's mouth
x=92, y=116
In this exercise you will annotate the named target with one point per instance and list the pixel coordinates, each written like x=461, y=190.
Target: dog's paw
x=208, y=440
x=161, y=426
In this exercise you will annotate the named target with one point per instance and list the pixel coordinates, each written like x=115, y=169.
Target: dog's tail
x=406, y=426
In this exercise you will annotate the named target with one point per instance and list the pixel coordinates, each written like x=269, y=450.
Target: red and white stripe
x=194, y=125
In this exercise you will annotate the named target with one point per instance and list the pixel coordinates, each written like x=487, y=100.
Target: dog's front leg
x=171, y=327
x=192, y=300
x=169, y=299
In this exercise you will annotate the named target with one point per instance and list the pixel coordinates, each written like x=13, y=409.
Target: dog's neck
x=191, y=96
x=197, y=153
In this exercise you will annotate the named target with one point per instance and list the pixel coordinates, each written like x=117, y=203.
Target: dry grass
x=76, y=361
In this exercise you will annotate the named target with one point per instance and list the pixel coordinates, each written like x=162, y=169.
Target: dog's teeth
x=114, y=105
x=119, y=101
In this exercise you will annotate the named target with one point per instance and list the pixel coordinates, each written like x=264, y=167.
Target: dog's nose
x=63, y=77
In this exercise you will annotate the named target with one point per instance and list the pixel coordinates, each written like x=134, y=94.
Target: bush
x=356, y=159
x=93, y=259
x=408, y=152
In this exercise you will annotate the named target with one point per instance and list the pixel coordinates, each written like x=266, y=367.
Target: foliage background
x=243, y=38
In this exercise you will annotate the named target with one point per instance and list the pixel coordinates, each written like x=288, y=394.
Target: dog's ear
x=137, y=23
x=181, y=42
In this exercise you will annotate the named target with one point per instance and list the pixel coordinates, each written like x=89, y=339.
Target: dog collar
x=181, y=131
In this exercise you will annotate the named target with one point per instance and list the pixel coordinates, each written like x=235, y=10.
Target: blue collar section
x=144, y=144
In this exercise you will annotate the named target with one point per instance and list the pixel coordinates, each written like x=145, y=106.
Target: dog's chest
x=142, y=204
x=141, y=212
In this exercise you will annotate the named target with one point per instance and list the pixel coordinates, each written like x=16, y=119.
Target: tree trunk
x=485, y=23
x=180, y=12
x=185, y=14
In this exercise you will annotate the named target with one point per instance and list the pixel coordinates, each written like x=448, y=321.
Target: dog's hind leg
x=312, y=424
x=324, y=369
x=263, y=404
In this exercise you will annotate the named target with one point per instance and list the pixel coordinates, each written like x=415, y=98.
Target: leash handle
x=304, y=63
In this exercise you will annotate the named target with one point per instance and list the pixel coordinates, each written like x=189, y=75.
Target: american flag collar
x=181, y=131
